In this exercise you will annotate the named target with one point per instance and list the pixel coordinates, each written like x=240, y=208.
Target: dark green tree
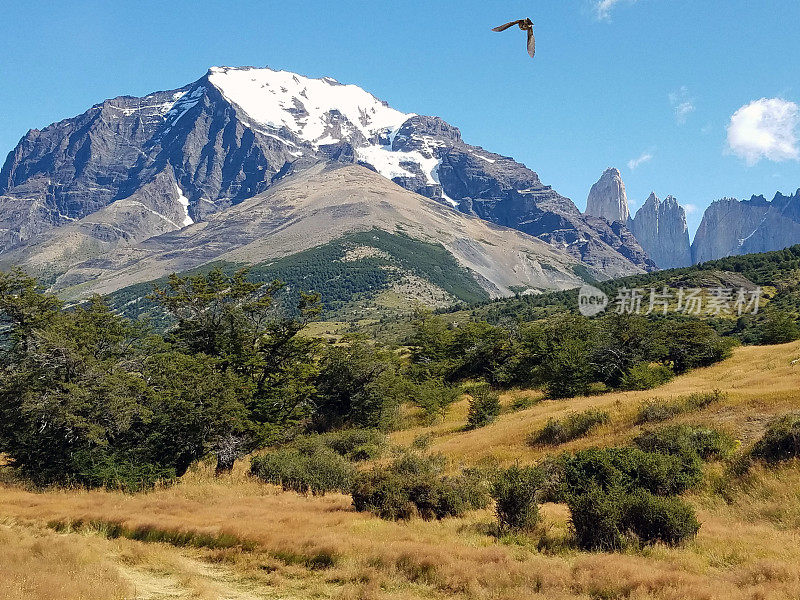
x=89, y=398
x=236, y=321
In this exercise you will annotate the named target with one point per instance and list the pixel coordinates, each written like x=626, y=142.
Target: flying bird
x=525, y=25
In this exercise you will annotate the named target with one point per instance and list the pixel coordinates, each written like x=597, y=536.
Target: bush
x=597, y=519
x=645, y=377
x=656, y=519
x=414, y=485
x=571, y=427
x=781, y=441
x=433, y=397
x=704, y=442
x=779, y=328
x=629, y=469
x=605, y=519
x=95, y=469
x=524, y=402
x=352, y=444
x=701, y=400
x=318, y=472
x=514, y=492
x=656, y=410
x=484, y=407
x=692, y=344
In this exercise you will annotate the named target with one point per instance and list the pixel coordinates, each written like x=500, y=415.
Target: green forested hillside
x=338, y=278
x=778, y=273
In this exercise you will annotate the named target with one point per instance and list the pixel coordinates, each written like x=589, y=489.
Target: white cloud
x=603, y=8
x=690, y=209
x=765, y=128
x=636, y=162
x=682, y=103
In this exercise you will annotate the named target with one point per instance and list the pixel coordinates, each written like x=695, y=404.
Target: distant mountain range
x=248, y=166
x=729, y=227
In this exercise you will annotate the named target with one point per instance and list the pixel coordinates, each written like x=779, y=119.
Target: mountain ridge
x=235, y=132
x=312, y=208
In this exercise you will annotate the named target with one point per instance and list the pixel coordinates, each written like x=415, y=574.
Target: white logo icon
x=591, y=301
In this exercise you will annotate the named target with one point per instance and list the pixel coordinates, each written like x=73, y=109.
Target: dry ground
x=263, y=543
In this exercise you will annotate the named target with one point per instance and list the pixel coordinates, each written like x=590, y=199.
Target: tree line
x=91, y=398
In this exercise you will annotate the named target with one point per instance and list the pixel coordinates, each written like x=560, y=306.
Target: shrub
x=629, y=469
x=605, y=519
x=701, y=400
x=414, y=485
x=484, y=407
x=318, y=472
x=692, y=344
x=656, y=410
x=433, y=397
x=99, y=469
x=657, y=519
x=645, y=377
x=704, y=442
x=352, y=444
x=781, y=441
x=514, y=492
x=597, y=519
x=523, y=402
x=571, y=427
x=551, y=479
x=422, y=441
x=779, y=328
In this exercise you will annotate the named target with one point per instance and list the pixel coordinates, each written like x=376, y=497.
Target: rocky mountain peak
x=660, y=226
x=608, y=199
x=238, y=131
x=732, y=227
x=316, y=111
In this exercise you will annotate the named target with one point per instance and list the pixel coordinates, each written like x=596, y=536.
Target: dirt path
x=186, y=577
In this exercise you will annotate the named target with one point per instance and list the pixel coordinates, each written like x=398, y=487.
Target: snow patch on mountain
x=306, y=107
x=183, y=104
x=395, y=163
x=386, y=162
x=184, y=202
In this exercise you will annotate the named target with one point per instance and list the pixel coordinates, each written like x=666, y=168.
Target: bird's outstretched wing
x=531, y=43
x=507, y=25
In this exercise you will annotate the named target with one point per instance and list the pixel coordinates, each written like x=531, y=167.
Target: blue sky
x=648, y=86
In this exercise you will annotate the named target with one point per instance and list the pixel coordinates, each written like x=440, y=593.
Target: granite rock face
x=660, y=227
x=236, y=132
x=730, y=227
x=607, y=198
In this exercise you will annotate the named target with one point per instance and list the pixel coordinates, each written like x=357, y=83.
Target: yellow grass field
x=234, y=538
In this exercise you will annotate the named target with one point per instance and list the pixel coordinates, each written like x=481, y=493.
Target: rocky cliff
x=607, y=198
x=660, y=227
x=732, y=227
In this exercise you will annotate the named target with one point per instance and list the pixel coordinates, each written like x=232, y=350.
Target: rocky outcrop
x=607, y=198
x=660, y=227
x=157, y=207
x=730, y=227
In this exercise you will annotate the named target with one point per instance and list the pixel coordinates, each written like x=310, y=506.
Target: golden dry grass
x=748, y=546
x=760, y=382
x=46, y=566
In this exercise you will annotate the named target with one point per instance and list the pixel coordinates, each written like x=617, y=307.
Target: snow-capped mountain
x=236, y=132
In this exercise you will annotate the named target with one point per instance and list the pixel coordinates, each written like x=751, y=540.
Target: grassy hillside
x=231, y=537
